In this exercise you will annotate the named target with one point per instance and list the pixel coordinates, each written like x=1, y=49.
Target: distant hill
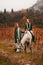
x=38, y=6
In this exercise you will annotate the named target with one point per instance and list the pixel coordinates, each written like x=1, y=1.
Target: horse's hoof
x=18, y=50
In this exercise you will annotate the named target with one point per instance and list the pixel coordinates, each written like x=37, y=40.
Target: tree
x=4, y=10
x=12, y=10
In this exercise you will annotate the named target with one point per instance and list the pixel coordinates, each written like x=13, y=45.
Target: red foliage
x=8, y=33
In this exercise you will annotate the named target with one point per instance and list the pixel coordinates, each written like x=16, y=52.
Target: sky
x=16, y=4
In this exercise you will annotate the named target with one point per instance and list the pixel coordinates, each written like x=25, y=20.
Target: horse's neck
x=29, y=32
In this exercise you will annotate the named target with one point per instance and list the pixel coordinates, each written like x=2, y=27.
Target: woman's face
x=17, y=25
x=28, y=20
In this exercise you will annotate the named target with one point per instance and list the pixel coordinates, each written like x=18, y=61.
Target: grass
x=11, y=51
x=4, y=61
x=8, y=49
x=32, y=57
x=38, y=61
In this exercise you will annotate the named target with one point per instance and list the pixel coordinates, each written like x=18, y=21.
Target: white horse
x=27, y=40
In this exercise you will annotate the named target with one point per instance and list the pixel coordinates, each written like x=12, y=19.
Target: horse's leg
x=30, y=45
x=25, y=45
x=22, y=47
